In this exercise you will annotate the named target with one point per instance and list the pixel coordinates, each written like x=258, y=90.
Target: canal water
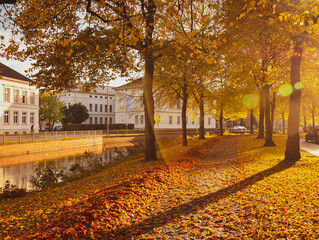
x=18, y=171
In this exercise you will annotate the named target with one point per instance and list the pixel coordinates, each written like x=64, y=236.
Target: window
x=105, y=120
x=24, y=117
x=32, y=98
x=193, y=122
x=95, y=120
x=15, y=117
x=105, y=108
x=6, y=117
x=68, y=105
x=101, y=120
x=16, y=95
x=170, y=119
x=95, y=96
x=101, y=97
x=110, y=97
x=90, y=96
x=90, y=107
x=142, y=119
x=136, y=119
x=105, y=97
x=208, y=121
x=110, y=120
x=6, y=95
x=101, y=108
x=110, y=108
x=31, y=117
x=24, y=96
x=178, y=120
x=95, y=107
x=91, y=120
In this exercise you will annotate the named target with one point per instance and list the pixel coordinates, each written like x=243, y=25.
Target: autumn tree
x=173, y=81
x=51, y=108
x=282, y=110
x=65, y=33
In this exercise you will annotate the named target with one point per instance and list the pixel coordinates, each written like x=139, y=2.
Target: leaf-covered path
x=188, y=210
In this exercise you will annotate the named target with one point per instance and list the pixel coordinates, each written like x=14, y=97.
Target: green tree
x=76, y=113
x=51, y=108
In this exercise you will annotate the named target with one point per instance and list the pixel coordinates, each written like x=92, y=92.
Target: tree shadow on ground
x=162, y=218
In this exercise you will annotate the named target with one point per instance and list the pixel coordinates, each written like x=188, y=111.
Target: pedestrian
x=32, y=130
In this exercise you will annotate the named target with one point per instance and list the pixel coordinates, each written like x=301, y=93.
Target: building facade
x=100, y=104
x=19, y=103
x=129, y=109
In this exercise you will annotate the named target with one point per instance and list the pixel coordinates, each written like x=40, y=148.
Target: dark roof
x=132, y=83
x=5, y=71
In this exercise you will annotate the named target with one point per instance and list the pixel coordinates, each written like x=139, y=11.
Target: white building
x=19, y=102
x=129, y=109
x=100, y=103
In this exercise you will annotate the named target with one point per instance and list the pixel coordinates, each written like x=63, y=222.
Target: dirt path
x=186, y=212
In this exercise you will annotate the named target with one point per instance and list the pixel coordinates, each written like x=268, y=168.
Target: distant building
x=99, y=103
x=129, y=109
x=19, y=102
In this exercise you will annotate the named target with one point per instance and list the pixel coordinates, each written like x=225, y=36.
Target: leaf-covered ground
x=221, y=188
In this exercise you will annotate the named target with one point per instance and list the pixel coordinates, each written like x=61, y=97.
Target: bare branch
x=8, y=1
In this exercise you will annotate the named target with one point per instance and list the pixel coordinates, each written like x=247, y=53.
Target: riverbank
x=60, y=144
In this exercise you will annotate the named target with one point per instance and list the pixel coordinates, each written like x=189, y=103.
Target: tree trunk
x=268, y=139
x=201, y=119
x=261, y=114
x=150, y=149
x=273, y=106
x=252, y=122
x=292, y=152
x=313, y=112
x=184, y=109
x=283, y=122
x=304, y=123
x=221, y=122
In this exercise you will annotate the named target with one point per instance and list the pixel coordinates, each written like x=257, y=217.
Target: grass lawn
x=223, y=187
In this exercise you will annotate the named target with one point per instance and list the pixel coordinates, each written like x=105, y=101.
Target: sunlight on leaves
x=298, y=85
x=285, y=90
x=250, y=101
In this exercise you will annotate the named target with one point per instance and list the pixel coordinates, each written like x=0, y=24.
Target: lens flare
x=298, y=85
x=250, y=101
x=285, y=90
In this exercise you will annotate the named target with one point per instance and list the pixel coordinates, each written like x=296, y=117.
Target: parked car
x=239, y=129
x=42, y=129
x=313, y=135
x=57, y=128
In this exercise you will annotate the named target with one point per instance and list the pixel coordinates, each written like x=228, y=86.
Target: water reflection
x=19, y=174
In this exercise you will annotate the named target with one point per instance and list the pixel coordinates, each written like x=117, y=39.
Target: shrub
x=11, y=191
x=46, y=178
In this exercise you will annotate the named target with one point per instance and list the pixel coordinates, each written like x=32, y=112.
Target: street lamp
x=107, y=110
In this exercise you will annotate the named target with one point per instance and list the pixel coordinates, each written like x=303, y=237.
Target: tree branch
x=8, y=1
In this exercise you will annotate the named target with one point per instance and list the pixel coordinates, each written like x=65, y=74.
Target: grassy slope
x=279, y=201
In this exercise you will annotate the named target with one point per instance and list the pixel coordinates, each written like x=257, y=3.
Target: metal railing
x=24, y=137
